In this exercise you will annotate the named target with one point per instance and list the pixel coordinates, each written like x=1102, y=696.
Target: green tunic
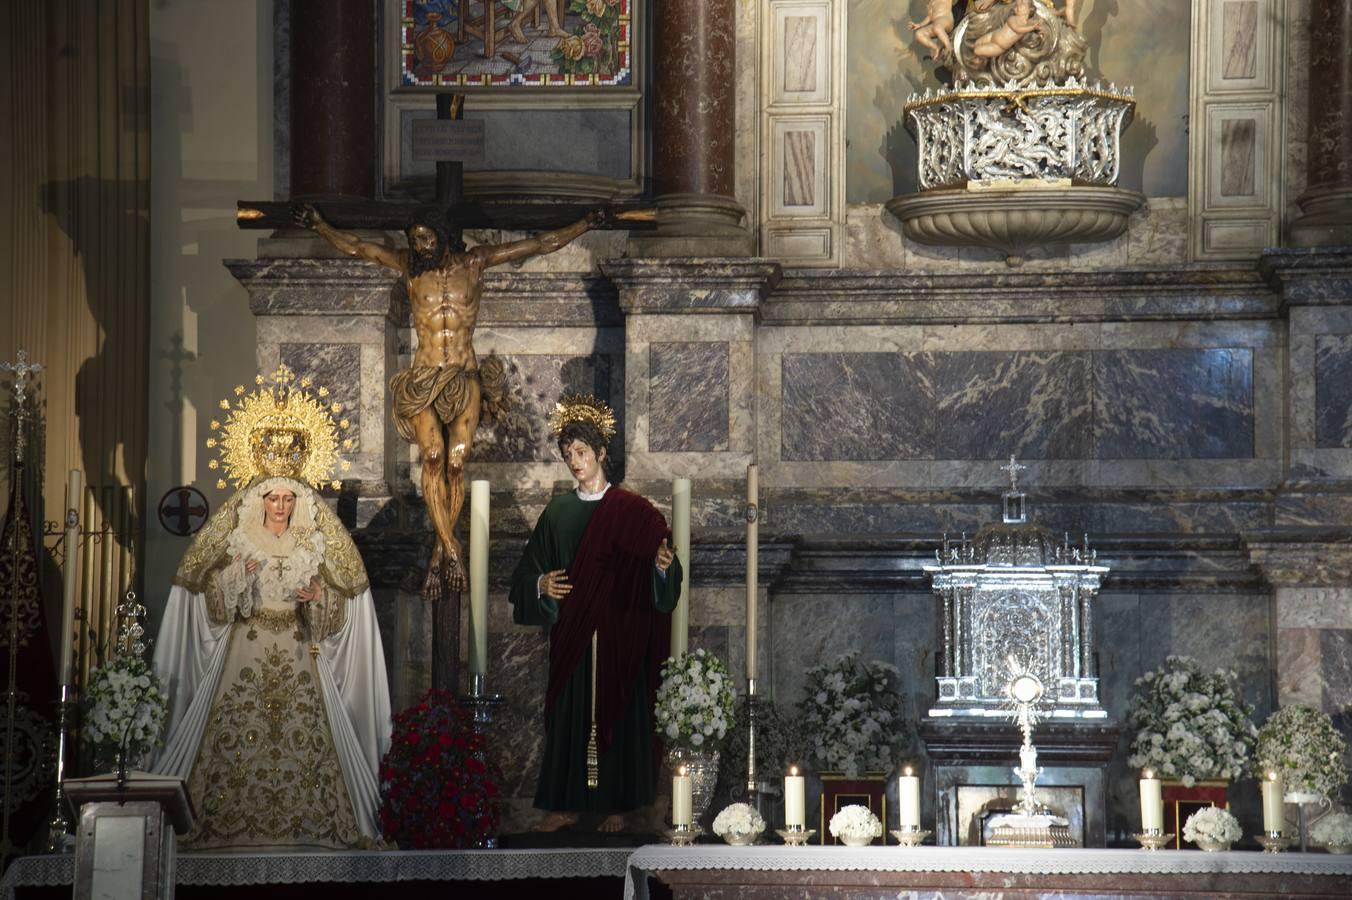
x=627, y=777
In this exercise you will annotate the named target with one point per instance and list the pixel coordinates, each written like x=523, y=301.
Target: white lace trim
x=590, y=496
x=226, y=869
x=972, y=859
x=301, y=545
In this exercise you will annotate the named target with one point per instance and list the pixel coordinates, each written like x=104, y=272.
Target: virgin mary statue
x=279, y=707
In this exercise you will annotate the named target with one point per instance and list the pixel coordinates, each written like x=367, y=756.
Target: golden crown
x=280, y=429
x=582, y=408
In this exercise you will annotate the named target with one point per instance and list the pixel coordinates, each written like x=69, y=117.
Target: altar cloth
x=776, y=857
x=229, y=869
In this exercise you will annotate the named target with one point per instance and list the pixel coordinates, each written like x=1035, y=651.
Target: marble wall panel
x=1239, y=39
x=688, y=385
x=858, y=406
x=800, y=53
x=1238, y=137
x=800, y=179
x=1174, y=404
x=336, y=367
x=1335, y=666
x=1333, y=390
x=1037, y=405
x=535, y=382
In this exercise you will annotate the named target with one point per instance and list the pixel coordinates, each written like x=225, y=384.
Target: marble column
x=333, y=83
x=1326, y=205
x=694, y=132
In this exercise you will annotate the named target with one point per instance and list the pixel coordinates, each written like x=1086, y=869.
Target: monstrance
x=1031, y=824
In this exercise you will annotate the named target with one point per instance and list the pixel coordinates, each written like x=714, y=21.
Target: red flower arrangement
x=436, y=791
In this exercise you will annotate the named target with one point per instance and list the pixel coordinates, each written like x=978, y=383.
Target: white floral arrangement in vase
x=855, y=826
x=851, y=716
x=1333, y=832
x=1190, y=726
x=1212, y=828
x=739, y=824
x=695, y=701
x=1302, y=745
x=125, y=704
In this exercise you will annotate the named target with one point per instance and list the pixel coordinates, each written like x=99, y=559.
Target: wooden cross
x=452, y=142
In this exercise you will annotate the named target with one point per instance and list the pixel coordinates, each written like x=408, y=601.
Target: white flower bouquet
x=1212, y=825
x=739, y=824
x=124, y=702
x=855, y=826
x=851, y=716
x=1302, y=744
x=1334, y=830
x=695, y=701
x=1190, y=726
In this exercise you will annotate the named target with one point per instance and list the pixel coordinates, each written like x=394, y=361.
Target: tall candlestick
x=682, y=797
x=478, y=577
x=70, y=576
x=908, y=800
x=752, y=552
x=1271, y=786
x=680, y=530
x=795, y=800
x=1152, y=803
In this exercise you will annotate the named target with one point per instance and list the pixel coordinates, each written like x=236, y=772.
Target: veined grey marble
x=688, y=384
x=1333, y=390
x=336, y=367
x=1174, y=404
x=534, y=384
x=858, y=406
x=1035, y=405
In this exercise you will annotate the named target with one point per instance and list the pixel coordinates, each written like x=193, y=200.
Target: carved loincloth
x=445, y=390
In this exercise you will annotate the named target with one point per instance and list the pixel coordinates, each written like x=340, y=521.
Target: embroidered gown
x=279, y=710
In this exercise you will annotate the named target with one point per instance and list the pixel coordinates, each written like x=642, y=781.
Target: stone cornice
x=705, y=285
x=1302, y=557
x=863, y=298
x=1311, y=276
x=310, y=287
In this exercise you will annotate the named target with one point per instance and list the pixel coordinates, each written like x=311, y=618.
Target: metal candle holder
x=797, y=836
x=1153, y=839
x=1274, y=842
x=481, y=705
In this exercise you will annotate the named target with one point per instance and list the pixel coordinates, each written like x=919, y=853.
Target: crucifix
x=436, y=402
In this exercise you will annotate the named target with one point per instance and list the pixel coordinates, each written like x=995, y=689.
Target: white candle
x=681, y=797
x=752, y=551
x=795, y=799
x=908, y=799
x=680, y=529
x=70, y=576
x=1271, y=787
x=478, y=577
x=1152, y=803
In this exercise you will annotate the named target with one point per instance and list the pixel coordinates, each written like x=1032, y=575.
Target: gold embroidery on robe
x=267, y=772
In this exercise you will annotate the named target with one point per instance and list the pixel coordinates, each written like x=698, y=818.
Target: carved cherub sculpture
x=934, y=31
x=1068, y=12
x=1020, y=22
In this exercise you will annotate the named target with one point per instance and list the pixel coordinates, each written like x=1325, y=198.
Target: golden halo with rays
x=582, y=408
x=280, y=428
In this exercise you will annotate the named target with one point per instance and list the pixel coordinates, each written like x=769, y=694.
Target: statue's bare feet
x=433, y=584
x=514, y=29
x=555, y=821
x=611, y=824
x=558, y=33
x=457, y=579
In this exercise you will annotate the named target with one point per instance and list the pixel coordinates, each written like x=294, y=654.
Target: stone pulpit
x=1015, y=595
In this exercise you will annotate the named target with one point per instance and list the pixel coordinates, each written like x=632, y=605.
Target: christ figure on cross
x=437, y=399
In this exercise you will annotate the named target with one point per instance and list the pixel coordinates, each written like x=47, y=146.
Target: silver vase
x=702, y=767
